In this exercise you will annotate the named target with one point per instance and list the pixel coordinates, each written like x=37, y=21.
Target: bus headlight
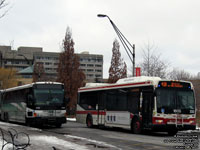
x=191, y=121
x=159, y=121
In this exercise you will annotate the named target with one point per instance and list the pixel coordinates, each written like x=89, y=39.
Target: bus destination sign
x=174, y=84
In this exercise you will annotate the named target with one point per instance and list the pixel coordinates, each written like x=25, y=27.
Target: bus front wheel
x=58, y=125
x=136, y=126
x=89, y=122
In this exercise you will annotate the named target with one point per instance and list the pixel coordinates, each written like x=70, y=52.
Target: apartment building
x=25, y=57
x=18, y=59
x=49, y=60
x=92, y=66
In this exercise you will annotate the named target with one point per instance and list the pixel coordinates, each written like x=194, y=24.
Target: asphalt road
x=76, y=136
x=120, y=138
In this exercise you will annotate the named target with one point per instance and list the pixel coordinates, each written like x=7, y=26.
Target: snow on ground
x=71, y=119
x=92, y=141
x=7, y=147
x=44, y=142
x=51, y=141
x=8, y=124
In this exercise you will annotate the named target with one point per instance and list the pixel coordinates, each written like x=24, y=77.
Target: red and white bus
x=139, y=103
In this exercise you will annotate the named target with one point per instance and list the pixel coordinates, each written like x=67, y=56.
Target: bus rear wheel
x=136, y=126
x=89, y=122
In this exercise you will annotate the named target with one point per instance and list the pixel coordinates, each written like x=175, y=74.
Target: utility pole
x=133, y=60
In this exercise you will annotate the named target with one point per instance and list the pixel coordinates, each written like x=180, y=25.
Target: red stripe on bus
x=93, y=112
x=113, y=86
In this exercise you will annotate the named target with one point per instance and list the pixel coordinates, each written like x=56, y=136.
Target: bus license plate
x=50, y=112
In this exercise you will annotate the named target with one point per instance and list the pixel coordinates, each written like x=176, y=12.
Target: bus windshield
x=49, y=97
x=171, y=100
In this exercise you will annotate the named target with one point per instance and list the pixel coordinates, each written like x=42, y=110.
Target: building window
x=48, y=63
x=47, y=58
x=98, y=76
x=83, y=65
x=90, y=70
x=48, y=69
x=98, y=65
x=90, y=65
x=99, y=60
x=97, y=70
x=90, y=75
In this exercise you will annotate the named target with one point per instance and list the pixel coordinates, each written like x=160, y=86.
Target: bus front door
x=147, y=109
x=101, y=109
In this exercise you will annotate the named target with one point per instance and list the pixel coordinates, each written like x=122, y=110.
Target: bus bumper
x=167, y=127
x=46, y=120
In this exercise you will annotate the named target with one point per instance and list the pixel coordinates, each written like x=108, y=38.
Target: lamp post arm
x=115, y=27
x=123, y=40
x=24, y=58
x=125, y=46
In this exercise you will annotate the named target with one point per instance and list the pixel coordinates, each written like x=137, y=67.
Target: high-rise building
x=92, y=66
x=23, y=57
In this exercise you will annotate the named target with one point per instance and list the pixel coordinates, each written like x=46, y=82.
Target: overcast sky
x=173, y=26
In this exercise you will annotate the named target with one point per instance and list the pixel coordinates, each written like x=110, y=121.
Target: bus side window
x=102, y=101
x=89, y=100
x=111, y=99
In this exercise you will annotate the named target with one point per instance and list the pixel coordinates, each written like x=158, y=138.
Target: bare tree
x=38, y=72
x=68, y=69
x=3, y=4
x=118, y=68
x=179, y=74
x=153, y=64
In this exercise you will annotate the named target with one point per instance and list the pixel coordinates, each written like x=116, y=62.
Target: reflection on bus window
x=169, y=99
x=48, y=97
x=185, y=100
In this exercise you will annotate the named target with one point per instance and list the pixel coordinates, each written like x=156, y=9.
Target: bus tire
x=172, y=132
x=89, y=121
x=58, y=125
x=6, y=117
x=136, y=126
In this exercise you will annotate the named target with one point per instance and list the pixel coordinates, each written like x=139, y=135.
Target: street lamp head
x=101, y=15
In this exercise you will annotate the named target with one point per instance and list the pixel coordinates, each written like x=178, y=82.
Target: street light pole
x=25, y=59
x=126, y=44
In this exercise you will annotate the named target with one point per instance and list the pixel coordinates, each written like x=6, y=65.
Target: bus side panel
x=16, y=111
x=117, y=118
x=80, y=115
x=101, y=117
